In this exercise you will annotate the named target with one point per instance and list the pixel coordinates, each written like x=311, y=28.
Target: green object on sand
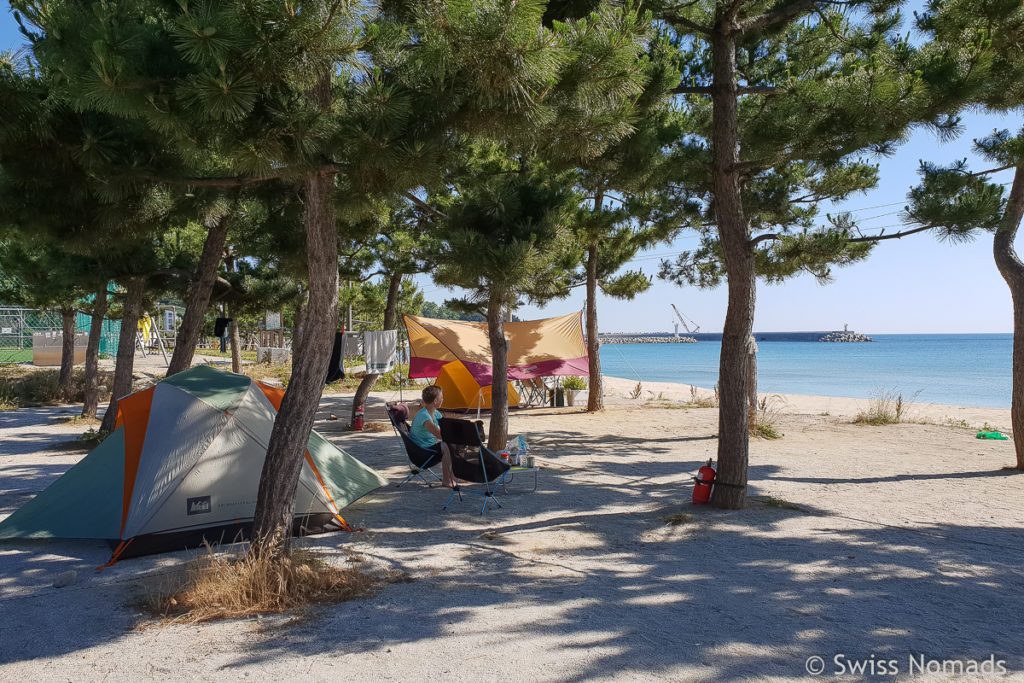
x=996, y=436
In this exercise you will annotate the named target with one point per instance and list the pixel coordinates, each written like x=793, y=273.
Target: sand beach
x=900, y=544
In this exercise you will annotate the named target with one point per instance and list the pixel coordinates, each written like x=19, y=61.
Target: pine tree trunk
x=236, y=347
x=197, y=300
x=92, y=354
x=390, y=313
x=311, y=352
x=751, y=383
x=125, y=365
x=499, y=376
x=300, y=312
x=67, y=353
x=734, y=234
x=1012, y=270
x=595, y=398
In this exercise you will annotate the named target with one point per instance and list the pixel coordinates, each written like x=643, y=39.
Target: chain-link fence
x=18, y=324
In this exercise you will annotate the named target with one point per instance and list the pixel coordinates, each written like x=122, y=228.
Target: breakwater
x=669, y=338
x=645, y=339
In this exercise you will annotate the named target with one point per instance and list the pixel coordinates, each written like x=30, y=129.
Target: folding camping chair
x=420, y=459
x=534, y=392
x=481, y=467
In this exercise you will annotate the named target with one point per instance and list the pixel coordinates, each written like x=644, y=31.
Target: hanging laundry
x=380, y=351
x=336, y=366
x=353, y=340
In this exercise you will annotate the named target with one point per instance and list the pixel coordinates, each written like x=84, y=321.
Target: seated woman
x=427, y=434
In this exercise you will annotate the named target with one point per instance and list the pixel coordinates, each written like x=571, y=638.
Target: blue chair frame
x=419, y=459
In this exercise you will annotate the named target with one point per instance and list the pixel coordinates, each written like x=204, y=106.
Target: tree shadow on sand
x=587, y=572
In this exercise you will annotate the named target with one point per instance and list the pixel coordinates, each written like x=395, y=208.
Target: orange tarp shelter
x=536, y=348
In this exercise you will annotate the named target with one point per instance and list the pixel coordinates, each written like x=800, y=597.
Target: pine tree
x=785, y=101
x=49, y=278
x=629, y=200
x=978, y=61
x=505, y=237
x=399, y=251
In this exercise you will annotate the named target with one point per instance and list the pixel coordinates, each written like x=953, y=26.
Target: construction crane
x=696, y=328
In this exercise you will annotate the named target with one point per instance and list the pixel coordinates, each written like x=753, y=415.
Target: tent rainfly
x=183, y=465
x=536, y=348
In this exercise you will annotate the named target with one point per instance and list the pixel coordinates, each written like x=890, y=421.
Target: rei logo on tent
x=197, y=506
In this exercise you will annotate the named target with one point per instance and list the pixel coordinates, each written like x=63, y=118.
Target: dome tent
x=182, y=466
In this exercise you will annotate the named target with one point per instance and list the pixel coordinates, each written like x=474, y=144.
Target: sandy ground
x=905, y=542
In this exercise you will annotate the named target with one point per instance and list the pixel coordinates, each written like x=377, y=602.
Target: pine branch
x=741, y=90
x=671, y=17
x=893, y=236
x=777, y=16
x=991, y=170
x=423, y=205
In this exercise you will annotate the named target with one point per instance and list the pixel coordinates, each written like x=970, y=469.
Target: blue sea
x=953, y=369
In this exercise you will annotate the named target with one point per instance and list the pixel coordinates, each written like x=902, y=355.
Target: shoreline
x=617, y=391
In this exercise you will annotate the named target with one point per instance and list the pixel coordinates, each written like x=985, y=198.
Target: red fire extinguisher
x=357, y=420
x=703, y=482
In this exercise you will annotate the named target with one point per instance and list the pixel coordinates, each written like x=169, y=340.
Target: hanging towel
x=353, y=340
x=336, y=366
x=380, y=351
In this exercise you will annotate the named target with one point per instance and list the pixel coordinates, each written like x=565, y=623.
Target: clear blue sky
x=914, y=285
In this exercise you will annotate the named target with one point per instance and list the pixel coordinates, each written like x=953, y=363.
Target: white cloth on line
x=380, y=351
x=350, y=344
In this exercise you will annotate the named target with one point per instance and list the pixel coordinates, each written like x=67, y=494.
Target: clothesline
x=378, y=347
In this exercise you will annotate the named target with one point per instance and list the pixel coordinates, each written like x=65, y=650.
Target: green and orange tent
x=182, y=466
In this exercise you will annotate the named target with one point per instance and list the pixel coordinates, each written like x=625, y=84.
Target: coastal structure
x=656, y=338
x=693, y=338
x=845, y=336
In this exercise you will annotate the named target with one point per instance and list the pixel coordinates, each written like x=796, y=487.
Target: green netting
x=110, y=332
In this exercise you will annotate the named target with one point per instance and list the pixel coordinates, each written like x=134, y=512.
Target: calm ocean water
x=955, y=369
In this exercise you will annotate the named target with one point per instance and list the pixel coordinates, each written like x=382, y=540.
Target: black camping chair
x=471, y=460
x=420, y=459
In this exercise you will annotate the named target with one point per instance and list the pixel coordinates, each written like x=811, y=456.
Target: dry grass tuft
x=223, y=586
x=22, y=387
x=774, y=502
x=698, y=401
x=769, y=409
x=678, y=519
x=886, y=407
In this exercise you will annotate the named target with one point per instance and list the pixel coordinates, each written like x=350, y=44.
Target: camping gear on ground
x=556, y=397
x=536, y=348
x=183, y=466
x=336, y=366
x=703, y=483
x=995, y=436
x=420, y=459
x=380, y=351
x=474, y=463
x=533, y=391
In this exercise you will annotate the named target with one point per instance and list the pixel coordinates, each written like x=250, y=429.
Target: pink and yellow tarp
x=536, y=348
